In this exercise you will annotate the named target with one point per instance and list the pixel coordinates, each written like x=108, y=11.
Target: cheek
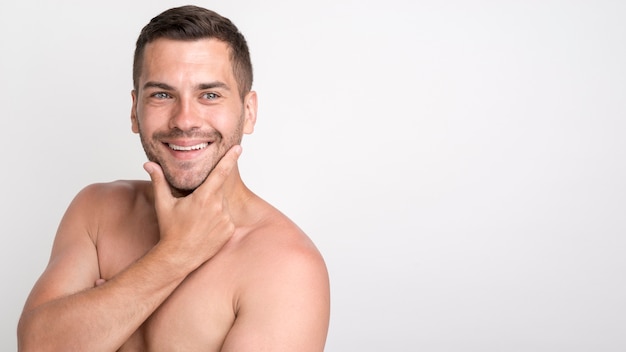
x=225, y=121
x=148, y=120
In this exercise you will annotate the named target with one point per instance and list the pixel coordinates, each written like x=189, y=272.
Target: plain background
x=460, y=164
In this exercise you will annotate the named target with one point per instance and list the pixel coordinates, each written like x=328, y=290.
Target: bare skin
x=137, y=266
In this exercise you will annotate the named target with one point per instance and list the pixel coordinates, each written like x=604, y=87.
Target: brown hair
x=192, y=23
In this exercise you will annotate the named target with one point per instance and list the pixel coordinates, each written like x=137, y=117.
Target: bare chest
x=195, y=317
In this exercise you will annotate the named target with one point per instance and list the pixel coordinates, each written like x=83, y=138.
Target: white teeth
x=191, y=147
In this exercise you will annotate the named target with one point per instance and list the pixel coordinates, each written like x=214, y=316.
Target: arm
x=285, y=306
x=65, y=312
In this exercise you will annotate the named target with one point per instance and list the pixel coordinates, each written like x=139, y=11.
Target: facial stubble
x=217, y=138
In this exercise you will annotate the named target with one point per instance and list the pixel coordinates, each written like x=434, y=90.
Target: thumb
x=159, y=184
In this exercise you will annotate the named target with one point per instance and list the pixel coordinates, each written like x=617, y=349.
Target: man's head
x=190, y=23
x=192, y=100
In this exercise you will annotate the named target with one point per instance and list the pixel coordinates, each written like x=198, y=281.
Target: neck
x=238, y=196
x=234, y=191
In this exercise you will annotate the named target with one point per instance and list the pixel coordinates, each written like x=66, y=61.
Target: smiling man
x=193, y=260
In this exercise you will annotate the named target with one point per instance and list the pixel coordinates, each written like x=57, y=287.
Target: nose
x=185, y=117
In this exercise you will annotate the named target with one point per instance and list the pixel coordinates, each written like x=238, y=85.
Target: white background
x=460, y=164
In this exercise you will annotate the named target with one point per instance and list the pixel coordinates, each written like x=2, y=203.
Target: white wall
x=460, y=164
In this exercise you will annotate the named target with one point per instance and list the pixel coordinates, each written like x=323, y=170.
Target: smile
x=188, y=148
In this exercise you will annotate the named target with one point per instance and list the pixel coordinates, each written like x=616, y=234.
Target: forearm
x=104, y=317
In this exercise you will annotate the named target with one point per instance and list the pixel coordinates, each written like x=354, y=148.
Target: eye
x=210, y=96
x=160, y=95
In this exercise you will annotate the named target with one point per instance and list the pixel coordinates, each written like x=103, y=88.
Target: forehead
x=202, y=59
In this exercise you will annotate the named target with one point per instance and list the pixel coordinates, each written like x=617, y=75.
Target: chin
x=184, y=186
x=188, y=186
x=182, y=190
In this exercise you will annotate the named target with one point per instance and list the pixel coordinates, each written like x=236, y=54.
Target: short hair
x=193, y=23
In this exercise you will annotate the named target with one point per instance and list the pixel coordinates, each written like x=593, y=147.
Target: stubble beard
x=183, y=186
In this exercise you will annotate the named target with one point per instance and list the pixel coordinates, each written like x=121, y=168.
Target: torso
x=198, y=315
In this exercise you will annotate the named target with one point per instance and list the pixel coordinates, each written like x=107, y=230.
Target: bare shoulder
x=120, y=192
x=100, y=199
x=283, y=300
x=275, y=254
x=116, y=196
x=101, y=203
x=274, y=240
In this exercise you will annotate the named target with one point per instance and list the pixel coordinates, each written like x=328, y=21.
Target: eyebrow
x=201, y=86
x=159, y=85
x=211, y=85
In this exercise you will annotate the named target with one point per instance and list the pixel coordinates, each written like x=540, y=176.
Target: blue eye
x=161, y=95
x=210, y=96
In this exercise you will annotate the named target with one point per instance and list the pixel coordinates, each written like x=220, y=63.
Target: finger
x=224, y=167
x=159, y=184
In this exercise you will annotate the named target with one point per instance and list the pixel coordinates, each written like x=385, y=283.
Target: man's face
x=187, y=108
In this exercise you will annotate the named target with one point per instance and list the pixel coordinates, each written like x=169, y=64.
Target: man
x=193, y=260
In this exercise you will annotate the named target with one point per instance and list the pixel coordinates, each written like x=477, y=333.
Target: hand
x=195, y=227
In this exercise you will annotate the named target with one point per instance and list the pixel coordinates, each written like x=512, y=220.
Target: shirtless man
x=193, y=260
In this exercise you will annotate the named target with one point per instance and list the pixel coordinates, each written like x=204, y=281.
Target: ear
x=133, y=113
x=250, y=110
